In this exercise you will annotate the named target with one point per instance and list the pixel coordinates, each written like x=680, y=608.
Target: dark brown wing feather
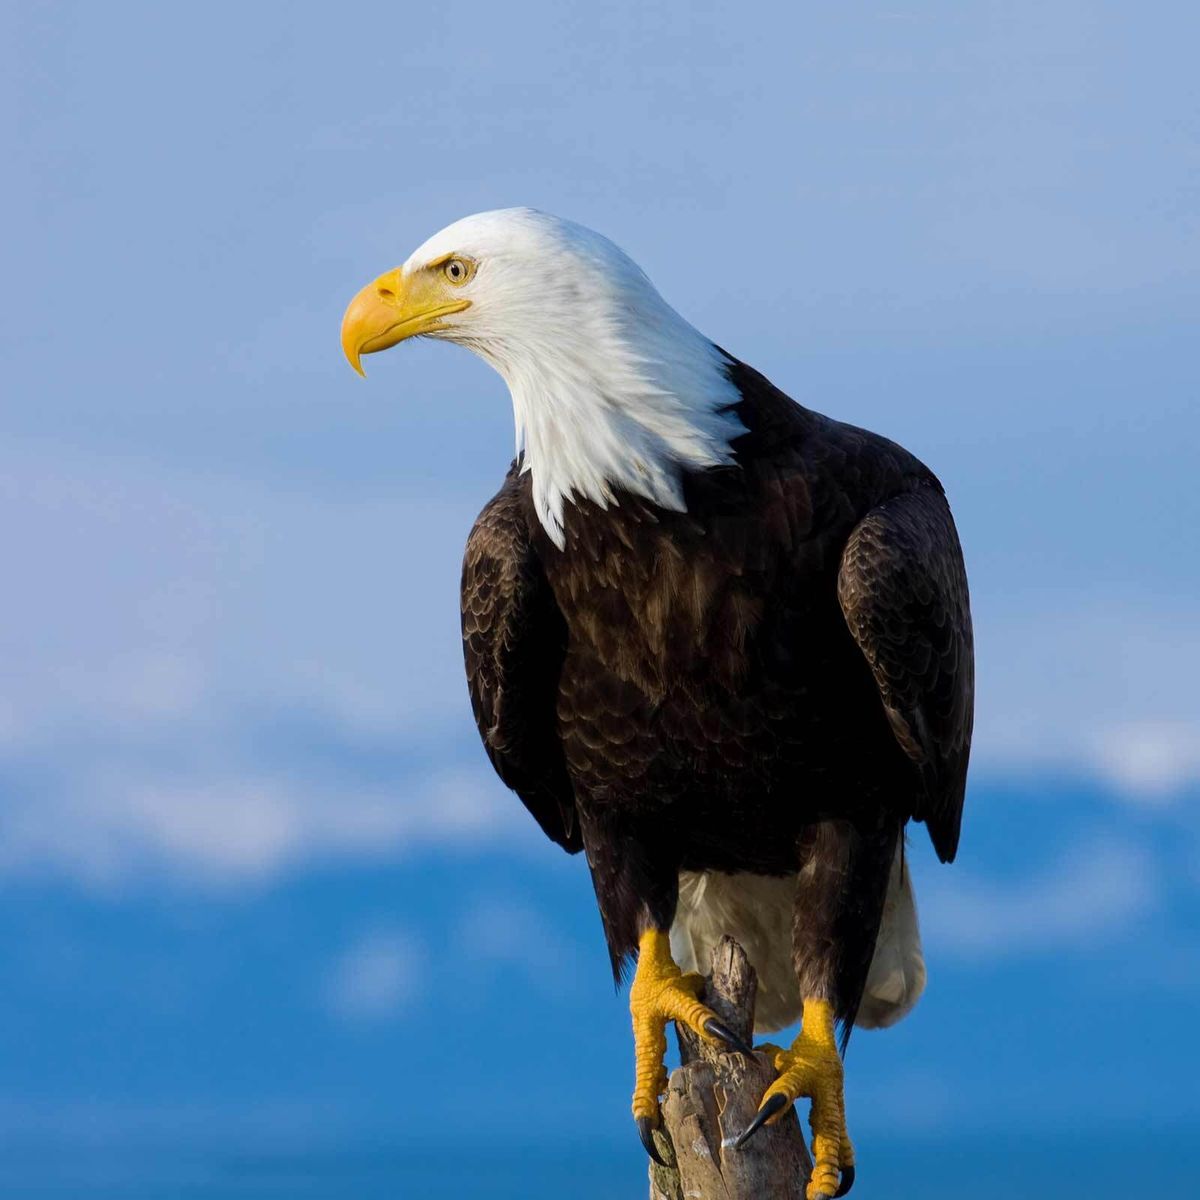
x=514, y=639
x=903, y=589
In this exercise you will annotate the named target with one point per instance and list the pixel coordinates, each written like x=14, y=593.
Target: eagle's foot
x=813, y=1068
x=661, y=992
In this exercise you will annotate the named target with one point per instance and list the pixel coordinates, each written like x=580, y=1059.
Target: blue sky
x=257, y=888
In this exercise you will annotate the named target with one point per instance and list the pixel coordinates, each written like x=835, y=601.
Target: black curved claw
x=776, y=1104
x=847, y=1181
x=646, y=1133
x=718, y=1030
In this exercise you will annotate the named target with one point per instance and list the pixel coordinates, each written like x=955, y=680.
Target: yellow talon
x=661, y=992
x=812, y=1067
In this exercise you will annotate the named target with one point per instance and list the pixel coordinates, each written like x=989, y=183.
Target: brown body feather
x=773, y=681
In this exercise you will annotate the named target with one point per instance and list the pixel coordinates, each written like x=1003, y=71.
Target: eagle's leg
x=839, y=903
x=812, y=1067
x=637, y=888
x=661, y=992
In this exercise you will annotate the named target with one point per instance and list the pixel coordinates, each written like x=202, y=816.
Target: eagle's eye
x=458, y=270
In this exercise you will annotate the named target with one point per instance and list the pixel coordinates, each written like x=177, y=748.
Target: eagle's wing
x=514, y=638
x=903, y=590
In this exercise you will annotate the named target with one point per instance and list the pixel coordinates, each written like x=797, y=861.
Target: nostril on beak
x=386, y=294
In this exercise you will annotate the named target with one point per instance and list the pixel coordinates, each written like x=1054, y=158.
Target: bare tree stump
x=714, y=1095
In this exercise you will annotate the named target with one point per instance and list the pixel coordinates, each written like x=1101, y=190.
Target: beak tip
x=353, y=357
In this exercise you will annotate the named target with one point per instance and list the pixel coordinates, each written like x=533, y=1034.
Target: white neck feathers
x=615, y=416
x=611, y=388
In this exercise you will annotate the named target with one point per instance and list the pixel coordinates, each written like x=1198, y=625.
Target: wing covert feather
x=903, y=589
x=514, y=639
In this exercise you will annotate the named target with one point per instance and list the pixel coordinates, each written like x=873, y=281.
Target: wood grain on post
x=714, y=1095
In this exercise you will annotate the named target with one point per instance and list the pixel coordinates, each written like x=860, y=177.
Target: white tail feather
x=897, y=975
x=757, y=910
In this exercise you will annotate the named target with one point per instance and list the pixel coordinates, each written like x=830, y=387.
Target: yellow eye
x=458, y=270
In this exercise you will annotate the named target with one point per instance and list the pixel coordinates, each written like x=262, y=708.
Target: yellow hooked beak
x=394, y=308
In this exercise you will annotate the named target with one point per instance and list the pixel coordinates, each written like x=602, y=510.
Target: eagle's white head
x=611, y=387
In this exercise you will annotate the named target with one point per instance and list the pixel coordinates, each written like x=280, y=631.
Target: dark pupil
x=455, y=270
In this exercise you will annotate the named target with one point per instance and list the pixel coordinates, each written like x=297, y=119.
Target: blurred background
x=268, y=925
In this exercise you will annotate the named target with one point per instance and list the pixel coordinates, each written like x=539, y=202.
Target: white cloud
x=1151, y=762
x=505, y=930
x=145, y=596
x=1095, y=893
x=164, y=631
x=229, y=832
x=1096, y=687
x=376, y=977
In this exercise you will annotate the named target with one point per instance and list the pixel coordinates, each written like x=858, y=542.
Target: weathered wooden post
x=714, y=1095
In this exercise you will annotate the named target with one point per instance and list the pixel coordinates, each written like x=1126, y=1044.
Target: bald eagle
x=719, y=642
